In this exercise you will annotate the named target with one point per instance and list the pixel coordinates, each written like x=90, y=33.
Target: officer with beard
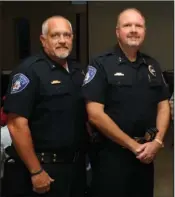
x=47, y=120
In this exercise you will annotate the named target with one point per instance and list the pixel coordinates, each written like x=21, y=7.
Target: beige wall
x=36, y=13
x=159, y=41
x=102, y=20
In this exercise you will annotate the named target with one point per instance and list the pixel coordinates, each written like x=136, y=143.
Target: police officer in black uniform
x=127, y=104
x=46, y=120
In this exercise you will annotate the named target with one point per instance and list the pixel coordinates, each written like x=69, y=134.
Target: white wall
x=159, y=41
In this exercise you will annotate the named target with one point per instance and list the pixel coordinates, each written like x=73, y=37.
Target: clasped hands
x=146, y=152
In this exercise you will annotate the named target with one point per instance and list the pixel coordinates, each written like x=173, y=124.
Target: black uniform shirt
x=50, y=98
x=130, y=91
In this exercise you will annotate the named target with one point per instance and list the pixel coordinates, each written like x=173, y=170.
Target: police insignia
x=90, y=74
x=19, y=83
x=151, y=70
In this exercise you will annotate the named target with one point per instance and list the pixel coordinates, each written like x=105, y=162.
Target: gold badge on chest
x=55, y=82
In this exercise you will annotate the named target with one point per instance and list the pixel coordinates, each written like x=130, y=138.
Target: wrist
x=160, y=142
x=133, y=145
x=33, y=173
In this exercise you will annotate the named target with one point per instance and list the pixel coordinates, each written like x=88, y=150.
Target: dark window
x=22, y=29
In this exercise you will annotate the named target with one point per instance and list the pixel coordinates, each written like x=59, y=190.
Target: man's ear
x=116, y=31
x=43, y=40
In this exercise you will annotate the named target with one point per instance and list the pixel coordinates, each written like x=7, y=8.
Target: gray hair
x=45, y=24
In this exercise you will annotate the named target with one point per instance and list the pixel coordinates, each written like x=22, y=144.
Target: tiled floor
x=164, y=168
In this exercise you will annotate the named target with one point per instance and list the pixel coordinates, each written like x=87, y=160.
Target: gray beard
x=63, y=56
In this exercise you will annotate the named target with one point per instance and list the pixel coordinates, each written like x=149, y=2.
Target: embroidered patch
x=151, y=70
x=90, y=74
x=19, y=83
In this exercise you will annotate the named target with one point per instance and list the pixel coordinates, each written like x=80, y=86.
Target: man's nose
x=133, y=28
x=62, y=39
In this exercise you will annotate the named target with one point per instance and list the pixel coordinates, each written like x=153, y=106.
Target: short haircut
x=45, y=24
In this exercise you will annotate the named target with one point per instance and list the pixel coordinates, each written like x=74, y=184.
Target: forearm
x=22, y=141
x=162, y=122
x=110, y=129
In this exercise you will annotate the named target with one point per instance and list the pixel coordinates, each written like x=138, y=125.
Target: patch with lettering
x=19, y=83
x=90, y=74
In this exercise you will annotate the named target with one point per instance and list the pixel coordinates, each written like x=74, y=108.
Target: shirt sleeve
x=95, y=83
x=164, y=93
x=21, y=93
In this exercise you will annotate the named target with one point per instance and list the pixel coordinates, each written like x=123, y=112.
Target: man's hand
x=147, y=152
x=41, y=182
x=138, y=148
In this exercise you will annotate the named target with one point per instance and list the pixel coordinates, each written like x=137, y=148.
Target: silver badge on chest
x=151, y=70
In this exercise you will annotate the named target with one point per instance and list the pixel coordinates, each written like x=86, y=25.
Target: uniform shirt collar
x=121, y=58
x=72, y=65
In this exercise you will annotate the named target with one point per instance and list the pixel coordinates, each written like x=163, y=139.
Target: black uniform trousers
x=70, y=179
x=117, y=173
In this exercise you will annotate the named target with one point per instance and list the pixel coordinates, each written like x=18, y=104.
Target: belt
x=47, y=157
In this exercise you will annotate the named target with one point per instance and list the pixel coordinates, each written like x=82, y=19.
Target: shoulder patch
x=19, y=83
x=90, y=74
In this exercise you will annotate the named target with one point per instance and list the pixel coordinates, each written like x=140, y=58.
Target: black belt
x=47, y=157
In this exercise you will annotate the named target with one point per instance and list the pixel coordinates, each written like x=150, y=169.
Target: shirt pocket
x=156, y=83
x=120, y=88
x=57, y=97
x=122, y=82
x=57, y=90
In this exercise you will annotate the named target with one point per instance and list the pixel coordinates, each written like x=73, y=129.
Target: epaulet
x=31, y=60
x=106, y=53
x=147, y=57
x=102, y=55
x=149, y=60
